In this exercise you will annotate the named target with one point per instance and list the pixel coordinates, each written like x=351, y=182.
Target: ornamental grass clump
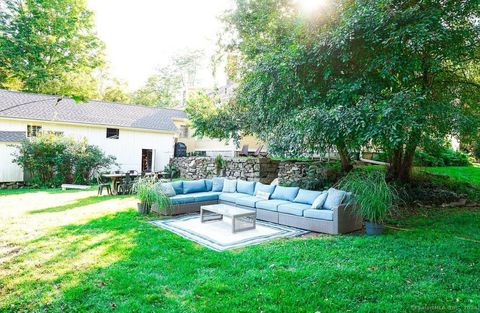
x=148, y=195
x=373, y=196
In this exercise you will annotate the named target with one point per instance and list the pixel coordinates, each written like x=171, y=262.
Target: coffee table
x=242, y=219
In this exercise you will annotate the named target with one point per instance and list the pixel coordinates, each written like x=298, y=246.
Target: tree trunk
x=402, y=159
x=344, y=158
x=395, y=163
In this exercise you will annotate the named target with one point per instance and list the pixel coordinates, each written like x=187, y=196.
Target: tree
x=162, y=89
x=49, y=46
x=170, y=85
x=392, y=73
x=116, y=92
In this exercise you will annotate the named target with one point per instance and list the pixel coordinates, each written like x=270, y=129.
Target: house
x=141, y=138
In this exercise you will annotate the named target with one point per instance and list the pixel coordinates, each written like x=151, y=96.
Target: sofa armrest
x=345, y=220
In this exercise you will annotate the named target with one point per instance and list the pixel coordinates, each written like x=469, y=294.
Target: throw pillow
x=263, y=195
x=229, y=186
x=274, y=182
x=167, y=189
x=319, y=201
x=334, y=199
x=217, y=184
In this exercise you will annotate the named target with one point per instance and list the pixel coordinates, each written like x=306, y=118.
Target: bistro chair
x=102, y=184
x=125, y=187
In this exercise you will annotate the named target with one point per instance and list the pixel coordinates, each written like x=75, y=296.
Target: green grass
x=100, y=255
x=463, y=174
x=7, y=192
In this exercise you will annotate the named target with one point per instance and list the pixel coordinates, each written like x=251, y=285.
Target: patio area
x=66, y=251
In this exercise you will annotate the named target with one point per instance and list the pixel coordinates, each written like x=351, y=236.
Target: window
x=113, y=133
x=33, y=130
x=183, y=131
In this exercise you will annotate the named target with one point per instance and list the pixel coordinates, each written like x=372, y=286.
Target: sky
x=142, y=35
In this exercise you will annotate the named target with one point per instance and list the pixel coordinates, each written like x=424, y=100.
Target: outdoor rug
x=217, y=235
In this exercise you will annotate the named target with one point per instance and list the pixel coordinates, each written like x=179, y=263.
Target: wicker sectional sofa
x=290, y=206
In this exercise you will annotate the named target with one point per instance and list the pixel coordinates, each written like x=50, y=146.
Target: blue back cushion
x=265, y=188
x=209, y=184
x=285, y=193
x=217, y=184
x=306, y=196
x=194, y=186
x=178, y=186
x=247, y=187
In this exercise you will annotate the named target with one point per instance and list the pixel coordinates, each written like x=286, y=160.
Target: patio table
x=117, y=177
x=239, y=216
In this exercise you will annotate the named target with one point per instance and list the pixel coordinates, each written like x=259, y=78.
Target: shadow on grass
x=121, y=262
x=77, y=203
x=8, y=192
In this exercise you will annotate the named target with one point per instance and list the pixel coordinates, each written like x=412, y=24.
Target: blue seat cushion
x=248, y=201
x=205, y=196
x=306, y=196
x=285, y=193
x=265, y=188
x=270, y=205
x=334, y=198
x=178, y=186
x=209, y=184
x=194, y=186
x=231, y=196
x=319, y=214
x=293, y=208
x=247, y=187
x=182, y=199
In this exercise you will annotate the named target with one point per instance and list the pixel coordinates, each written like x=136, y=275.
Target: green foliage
x=219, y=162
x=444, y=157
x=169, y=86
x=53, y=160
x=161, y=89
x=171, y=171
x=373, y=196
x=49, y=46
x=116, y=92
x=344, y=77
x=476, y=151
x=147, y=193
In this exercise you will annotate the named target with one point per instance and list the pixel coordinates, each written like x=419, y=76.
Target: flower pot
x=142, y=208
x=373, y=228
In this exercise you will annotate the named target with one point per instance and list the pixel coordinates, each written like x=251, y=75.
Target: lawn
x=69, y=252
x=463, y=174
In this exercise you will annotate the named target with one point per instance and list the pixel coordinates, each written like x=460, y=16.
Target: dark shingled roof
x=45, y=108
x=12, y=136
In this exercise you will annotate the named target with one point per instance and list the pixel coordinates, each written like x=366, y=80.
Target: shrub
x=476, y=151
x=52, y=160
x=442, y=157
x=171, y=171
x=373, y=196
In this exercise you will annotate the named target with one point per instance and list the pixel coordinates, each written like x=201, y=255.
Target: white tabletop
x=226, y=209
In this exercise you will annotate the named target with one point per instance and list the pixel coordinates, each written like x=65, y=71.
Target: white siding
x=9, y=171
x=127, y=149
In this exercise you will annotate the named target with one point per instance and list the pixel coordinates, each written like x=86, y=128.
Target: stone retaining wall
x=248, y=168
x=297, y=171
x=12, y=185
